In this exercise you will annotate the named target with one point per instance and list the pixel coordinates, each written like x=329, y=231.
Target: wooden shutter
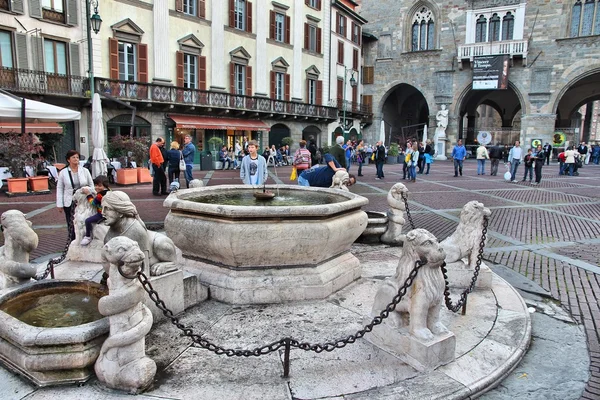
x=179, y=5
x=354, y=97
x=232, y=78
x=17, y=7
x=21, y=47
x=337, y=23
x=319, y=92
x=340, y=91
x=288, y=24
x=359, y=33
x=340, y=58
x=367, y=75
x=179, y=68
x=232, y=13
x=307, y=2
x=201, y=72
x=35, y=8
x=287, y=87
x=273, y=91
x=319, y=5
x=308, y=91
x=248, y=17
x=113, y=49
x=248, y=80
x=319, y=34
x=38, y=53
x=202, y=8
x=368, y=102
x=74, y=61
x=142, y=63
x=352, y=31
x=72, y=15
x=272, y=25
x=306, y=37
x=355, y=59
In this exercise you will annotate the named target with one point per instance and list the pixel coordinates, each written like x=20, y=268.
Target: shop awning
x=194, y=122
x=30, y=127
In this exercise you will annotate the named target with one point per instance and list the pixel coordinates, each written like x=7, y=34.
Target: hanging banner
x=490, y=72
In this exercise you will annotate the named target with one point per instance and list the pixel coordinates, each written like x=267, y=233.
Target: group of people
x=162, y=160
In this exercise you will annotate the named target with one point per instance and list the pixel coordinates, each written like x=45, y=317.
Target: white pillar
x=162, y=70
x=262, y=67
x=219, y=67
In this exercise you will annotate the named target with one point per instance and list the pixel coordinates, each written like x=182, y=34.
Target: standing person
x=482, y=155
x=173, y=157
x=224, y=158
x=70, y=179
x=428, y=162
x=348, y=154
x=338, y=152
x=569, y=161
x=459, y=153
x=515, y=155
x=414, y=161
x=421, y=161
x=323, y=176
x=237, y=155
x=596, y=154
x=101, y=187
x=312, y=147
x=547, y=152
x=496, y=154
x=540, y=158
x=583, y=151
x=254, y=168
x=406, y=161
x=379, y=159
x=188, y=156
x=360, y=156
x=528, y=163
x=159, y=183
x=302, y=158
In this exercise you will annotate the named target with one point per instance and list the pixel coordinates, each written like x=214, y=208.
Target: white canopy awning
x=11, y=108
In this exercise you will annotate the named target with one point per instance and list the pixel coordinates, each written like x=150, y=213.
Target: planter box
x=17, y=185
x=143, y=175
x=127, y=176
x=38, y=183
x=392, y=160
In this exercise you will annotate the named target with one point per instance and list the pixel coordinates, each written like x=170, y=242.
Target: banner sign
x=490, y=72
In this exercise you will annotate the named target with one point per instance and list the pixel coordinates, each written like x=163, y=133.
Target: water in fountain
x=285, y=198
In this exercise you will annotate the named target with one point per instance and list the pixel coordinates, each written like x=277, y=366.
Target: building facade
x=427, y=53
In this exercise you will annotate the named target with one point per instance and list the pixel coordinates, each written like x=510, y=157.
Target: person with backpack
x=414, y=161
x=528, y=162
x=302, y=158
x=360, y=156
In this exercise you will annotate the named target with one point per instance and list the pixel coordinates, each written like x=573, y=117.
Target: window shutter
x=232, y=78
x=340, y=91
x=306, y=44
x=340, y=59
x=75, y=62
x=307, y=2
x=113, y=49
x=308, y=91
x=368, y=102
x=35, y=8
x=272, y=25
x=367, y=75
x=179, y=5
x=355, y=60
x=72, y=12
x=337, y=23
x=287, y=87
x=352, y=31
x=201, y=72
x=287, y=29
x=232, y=13
x=354, y=96
x=248, y=17
x=142, y=63
x=319, y=5
x=202, y=8
x=179, y=68
x=37, y=50
x=273, y=84
x=359, y=35
x=248, y=80
x=319, y=92
x=319, y=34
x=17, y=7
x=21, y=47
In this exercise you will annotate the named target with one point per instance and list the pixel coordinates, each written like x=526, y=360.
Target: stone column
x=162, y=70
x=537, y=126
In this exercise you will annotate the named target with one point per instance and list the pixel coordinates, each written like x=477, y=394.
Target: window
x=311, y=95
x=189, y=7
x=340, y=90
x=423, y=30
x=340, y=55
x=6, y=57
x=341, y=25
x=508, y=26
x=127, y=61
x=54, y=5
x=355, y=59
x=240, y=14
x=480, y=29
x=494, y=29
x=585, y=18
x=368, y=75
x=313, y=3
x=280, y=27
x=279, y=86
x=240, y=79
x=312, y=38
x=190, y=69
x=355, y=33
x=55, y=55
x=280, y=82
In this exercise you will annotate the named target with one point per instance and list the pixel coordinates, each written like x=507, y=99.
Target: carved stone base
x=459, y=276
x=170, y=289
x=90, y=253
x=422, y=356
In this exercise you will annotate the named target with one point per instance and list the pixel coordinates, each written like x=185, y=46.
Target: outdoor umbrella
x=11, y=107
x=424, y=134
x=99, y=158
x=382, y=132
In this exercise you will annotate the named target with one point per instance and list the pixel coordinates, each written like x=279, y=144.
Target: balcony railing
x=364, y=110
x=511, y=47
x=153, y=93
x=38, y=82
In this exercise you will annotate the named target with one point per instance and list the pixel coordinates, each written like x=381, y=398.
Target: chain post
x=286, y=358
x=464, y=306
x=408, y=216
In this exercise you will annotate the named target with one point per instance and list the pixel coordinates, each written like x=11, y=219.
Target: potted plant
x=140, y=153
x=18, y=151
x=287, y=141
x=128, y=149
x=216, y=143
x=393, y=154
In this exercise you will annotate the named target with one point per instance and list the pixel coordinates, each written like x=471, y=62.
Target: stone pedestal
x=440, y=144
x=459, y=276
x=170, y=288
x=421, y=355
x=90, y=253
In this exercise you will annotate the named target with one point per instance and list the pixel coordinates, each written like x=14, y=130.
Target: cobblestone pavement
x=548, y=233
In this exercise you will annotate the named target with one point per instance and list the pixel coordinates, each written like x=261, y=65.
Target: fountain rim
x=179, y=201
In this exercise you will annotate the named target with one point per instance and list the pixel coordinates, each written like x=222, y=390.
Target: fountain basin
x=51, y=355
x=272, y=251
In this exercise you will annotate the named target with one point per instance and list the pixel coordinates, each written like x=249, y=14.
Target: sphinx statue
x=395, y=214
x=123, y=220
x=19, y=241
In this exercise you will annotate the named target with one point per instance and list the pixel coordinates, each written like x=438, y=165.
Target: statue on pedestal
x=440, y=133
x=395, y=214
x=19, y=241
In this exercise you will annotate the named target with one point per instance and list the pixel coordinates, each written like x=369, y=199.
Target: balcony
x=364, y=112
x=514, y=48
x=38, y=82
x=219, y=102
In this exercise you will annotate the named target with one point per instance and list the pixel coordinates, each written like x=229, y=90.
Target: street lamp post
x=345, y=126
x=93, y=23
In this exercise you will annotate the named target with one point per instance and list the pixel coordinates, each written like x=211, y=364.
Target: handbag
x=294, y=174
x=181, y=162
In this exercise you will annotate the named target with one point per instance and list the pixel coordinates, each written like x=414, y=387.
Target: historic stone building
x=422, y=55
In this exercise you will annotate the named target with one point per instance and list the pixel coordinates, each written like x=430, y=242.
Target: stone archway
x=312, y=132
x=277, y=133
x=405, y=112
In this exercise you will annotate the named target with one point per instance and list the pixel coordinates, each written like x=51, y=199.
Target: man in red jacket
x=159, y=183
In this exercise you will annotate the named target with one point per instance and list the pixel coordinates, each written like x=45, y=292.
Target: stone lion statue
x=122, y=363
x=464, y=242
x=419, y=309
x=83, y=211
x=123, y=220
x=395, y=214
x=19, y=241
x=340, y=180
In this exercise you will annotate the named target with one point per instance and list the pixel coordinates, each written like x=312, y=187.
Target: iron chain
x=55, y=261
x=463, y=297
x=408, y=216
